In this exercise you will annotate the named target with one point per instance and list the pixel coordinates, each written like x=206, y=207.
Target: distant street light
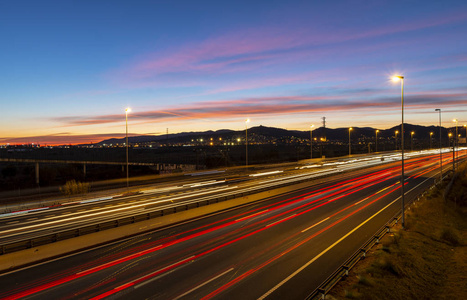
x=456, y=140
x=401, y=78
x=127, y=110
x=431, y=134
x=397, y=131
x=440, y=147
x=411, y=139
x=246, y=139
x=376, y=140
x=350, y=151
x=465, y=126
x=311, y=141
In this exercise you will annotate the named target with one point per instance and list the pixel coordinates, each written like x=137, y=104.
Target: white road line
x=332, y=246
x=315, y=225
x=203, y=284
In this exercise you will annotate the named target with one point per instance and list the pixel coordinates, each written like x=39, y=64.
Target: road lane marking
x=203, y=284
x=315, y=225
x=333, y=245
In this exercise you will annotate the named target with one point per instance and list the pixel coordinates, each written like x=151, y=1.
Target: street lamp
x=465, y=134
x=453, y=152
x=246, y=139
x=350, y=151
x=376, y=140
x=440, y=146
x=456, y=140
x=311, y=141
x=431, y=134
x=411, y=139
x=127, y=110
x=401, y=78
x=397, y=131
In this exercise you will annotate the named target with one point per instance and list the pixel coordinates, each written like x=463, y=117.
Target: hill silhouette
x=331, y=134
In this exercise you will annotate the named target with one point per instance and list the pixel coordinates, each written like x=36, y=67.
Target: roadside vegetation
x=427, y=260
x=74, y=187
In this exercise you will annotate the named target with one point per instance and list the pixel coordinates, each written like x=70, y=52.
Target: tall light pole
x=453, y=152
x=376, y=140
x=411, y=140
x=401, y=78
x=127, y=110
x=397, y=131
x=246, y=139
x=440, y=147
x=456, y=141
x=465, y=126
x=431, y=134
x=350, y=145
x=311, y=141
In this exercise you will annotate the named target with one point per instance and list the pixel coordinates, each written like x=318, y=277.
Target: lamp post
x=440, y=147
x=350, y=148
x=453, y=153
x=376, y=150
x=401, y=78
x=246, y=139
x=311, y=141
x=411, y=140
x=397, y=131
x=127, y=110
x=456, y=141
x=465, y=126
x=431, y=134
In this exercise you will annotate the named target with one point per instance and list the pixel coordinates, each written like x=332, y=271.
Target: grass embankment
x=427, y=260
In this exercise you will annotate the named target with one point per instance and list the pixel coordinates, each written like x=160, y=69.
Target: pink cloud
x=253, y=48
x=60, y=139
x=270, y=106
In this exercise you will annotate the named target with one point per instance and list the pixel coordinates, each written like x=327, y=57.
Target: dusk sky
x=68, y=69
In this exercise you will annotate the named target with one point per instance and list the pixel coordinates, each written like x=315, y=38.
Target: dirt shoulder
x=427, y=260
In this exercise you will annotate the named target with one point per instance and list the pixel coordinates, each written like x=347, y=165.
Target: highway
x=281, y=247
x=17, y=226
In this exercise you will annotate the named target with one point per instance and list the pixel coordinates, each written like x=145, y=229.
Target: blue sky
x=70, y=68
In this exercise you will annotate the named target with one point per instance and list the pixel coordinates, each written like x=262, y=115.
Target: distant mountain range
x=337, y=134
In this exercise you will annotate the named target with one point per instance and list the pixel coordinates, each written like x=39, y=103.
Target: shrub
x=74, y=187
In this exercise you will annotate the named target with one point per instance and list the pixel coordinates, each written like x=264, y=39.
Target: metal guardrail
x=159, y=211
x=343, y=271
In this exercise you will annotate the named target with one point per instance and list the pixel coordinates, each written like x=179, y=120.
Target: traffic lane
x=73, y=220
